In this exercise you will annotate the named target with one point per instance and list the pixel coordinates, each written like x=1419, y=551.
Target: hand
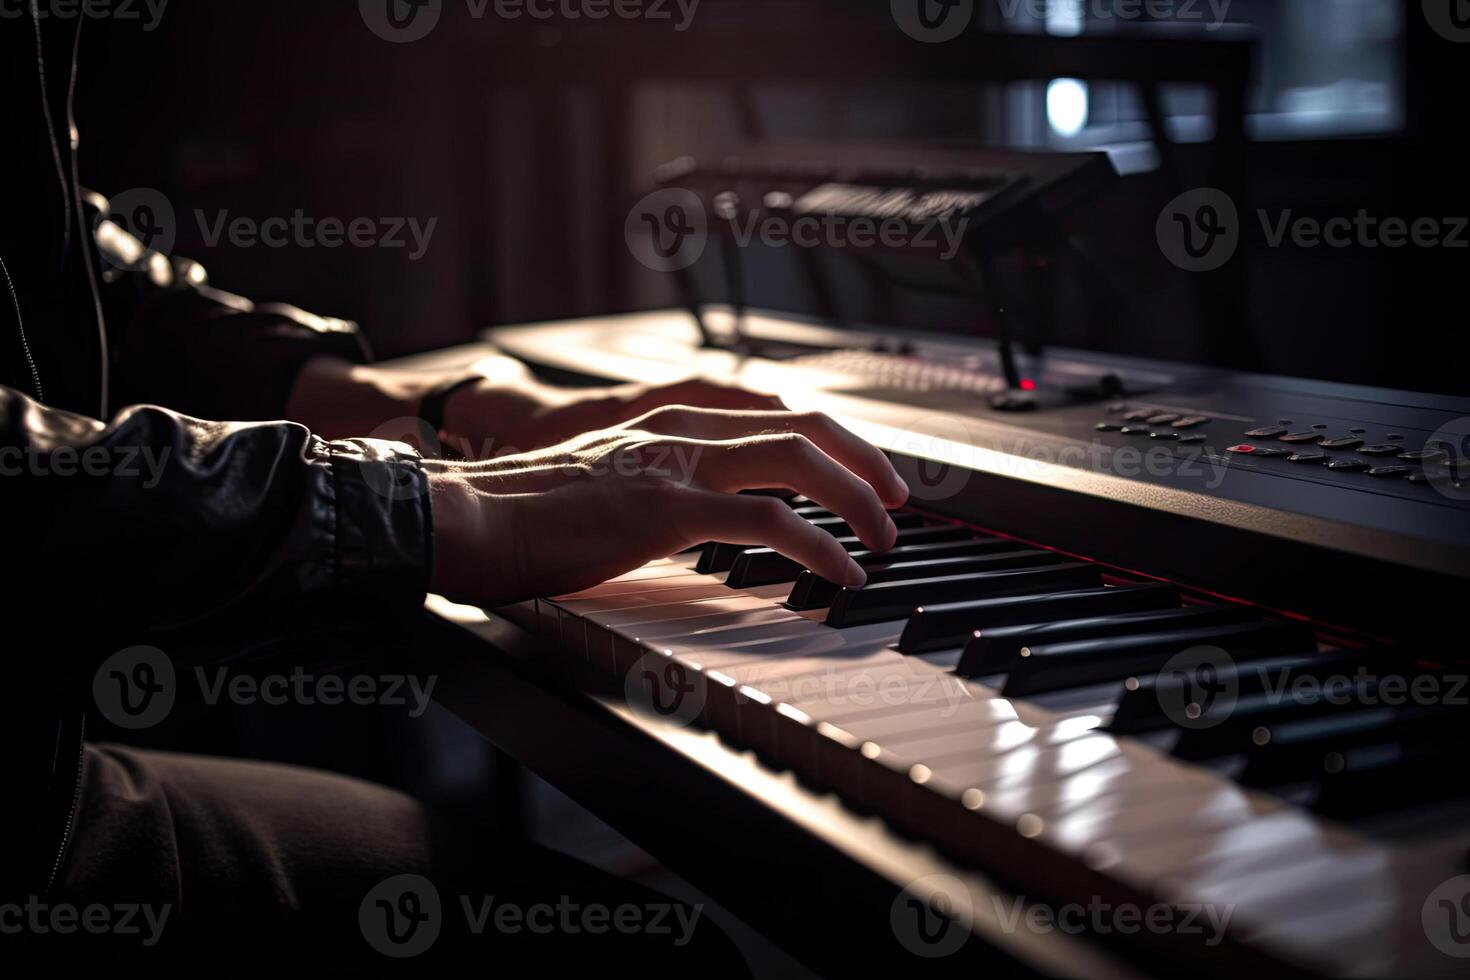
x=566, y=518
x=494, y=419
x=507, y=413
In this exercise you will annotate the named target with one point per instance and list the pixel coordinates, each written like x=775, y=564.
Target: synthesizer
x=1186, y=649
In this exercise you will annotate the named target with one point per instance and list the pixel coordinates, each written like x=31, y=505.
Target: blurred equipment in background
x=925, y=220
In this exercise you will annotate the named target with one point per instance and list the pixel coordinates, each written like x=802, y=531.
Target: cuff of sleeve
x=384, y=533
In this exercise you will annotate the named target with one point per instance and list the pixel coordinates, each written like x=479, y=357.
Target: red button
x=1243, y=450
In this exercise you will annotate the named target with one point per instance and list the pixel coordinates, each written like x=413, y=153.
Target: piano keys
x=1017, y=708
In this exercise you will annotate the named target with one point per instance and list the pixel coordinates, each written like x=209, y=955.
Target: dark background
x=277, y=105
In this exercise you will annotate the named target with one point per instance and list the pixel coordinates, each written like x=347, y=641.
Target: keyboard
x=1072, y=727
x=1303, y=496
x=1153, y=653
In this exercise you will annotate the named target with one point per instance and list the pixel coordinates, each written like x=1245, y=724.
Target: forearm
x=337, y=399
x=506, y=410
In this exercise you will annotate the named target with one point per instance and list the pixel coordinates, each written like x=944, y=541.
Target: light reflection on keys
x=1008, y=781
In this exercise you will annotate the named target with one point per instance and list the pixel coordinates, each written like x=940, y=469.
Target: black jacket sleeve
x=160, y=527
x=213, y=354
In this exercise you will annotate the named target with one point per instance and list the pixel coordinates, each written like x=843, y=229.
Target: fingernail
x=856, y=577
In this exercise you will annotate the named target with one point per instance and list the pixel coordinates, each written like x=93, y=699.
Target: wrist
x=451, y=407
x=475, y=558
x=456, y=517
x=338, y=400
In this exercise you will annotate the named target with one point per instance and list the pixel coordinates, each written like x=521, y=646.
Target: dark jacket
x=237, y=539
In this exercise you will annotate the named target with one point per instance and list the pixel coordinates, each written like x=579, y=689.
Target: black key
x=1141, y=709
x=936, y=550
x=942, y=627
x=1109, y=427
x=1346, y=442
x=1359, y=726
x=896, y=600
x=1293, y=751
x=1063, y=665
x=1231, y=727
x=993, y=651
x=1301, y=438
x=794, y=501
x=814, y=592
x=1381, y=450
x=1392, y=775
x=1193, y=439
x=1348, y=465
x=1133, y=430
x=719, y=557
x=763, y=566
x=1309, y=458
x=838, y=527
x=1390, y=472
x=1427, y=456
x=1266, y=432
x=811, y=512
x=1165, y=436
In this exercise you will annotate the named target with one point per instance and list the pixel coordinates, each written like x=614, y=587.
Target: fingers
x=766, y=522
x=853, y=452
x=795, y=463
